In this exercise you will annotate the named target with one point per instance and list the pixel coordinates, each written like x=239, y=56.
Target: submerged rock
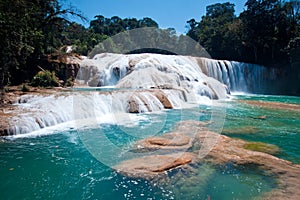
x=273, y=105
x=262, y=117
x=241, y=130
x=176, y=150
x=262, y=147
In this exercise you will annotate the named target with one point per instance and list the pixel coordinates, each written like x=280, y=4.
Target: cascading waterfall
x=146, y=83
x=239, y=77
x=115, y=69
x=37, y=112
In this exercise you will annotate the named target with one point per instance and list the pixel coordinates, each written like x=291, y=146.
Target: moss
x=241, y=130
x=262, y=147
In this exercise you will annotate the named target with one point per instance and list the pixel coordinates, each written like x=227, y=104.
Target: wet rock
x=167, y=142
x=215, y=149
x=262, y=117
x=287, y=174
x=273, y=105
x=262, y=147
x=241, y=130
x=148, y=166
x=133, y=106
x=163, y=99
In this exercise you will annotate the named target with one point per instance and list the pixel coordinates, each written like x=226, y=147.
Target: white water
x=239, y=77
x=38, y=112
x=154, y=70
x=149, y=71
x=183, y=80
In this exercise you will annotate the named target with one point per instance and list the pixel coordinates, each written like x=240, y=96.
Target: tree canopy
x=32, y=29
x=29, y=30
x=260, y=34
x=266, y=32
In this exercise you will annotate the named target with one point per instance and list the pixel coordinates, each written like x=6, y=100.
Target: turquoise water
x=59, y=166
x=281, y=127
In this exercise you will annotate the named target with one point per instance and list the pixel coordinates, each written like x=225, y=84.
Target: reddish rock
x=213, y=148
x=149, y=166
x=273, y=105
x=169, y=141
x=163, y=99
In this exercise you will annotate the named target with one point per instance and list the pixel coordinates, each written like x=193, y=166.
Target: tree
x=268, y=26
x=147, y=22
x=261, y=34
x=212, y=31
x=29, y=29
x=112, y=26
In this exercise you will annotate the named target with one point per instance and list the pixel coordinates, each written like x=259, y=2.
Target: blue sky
x=167, y=13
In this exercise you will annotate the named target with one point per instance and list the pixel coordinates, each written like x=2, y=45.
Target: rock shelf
x=225, y=150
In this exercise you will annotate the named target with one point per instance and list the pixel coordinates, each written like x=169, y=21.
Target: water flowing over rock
x=142, y=82
x=34, y=112
x=154, y=70
x=149, y=71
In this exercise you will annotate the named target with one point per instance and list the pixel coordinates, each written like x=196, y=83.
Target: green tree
x=29, y=29
x=268, y=26
x=213, y=31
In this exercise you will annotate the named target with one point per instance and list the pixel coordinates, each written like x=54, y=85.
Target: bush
x=25, y=88
x=45, y=79
x=69, y=82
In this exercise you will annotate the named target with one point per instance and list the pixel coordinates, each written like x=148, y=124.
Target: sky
x=167, y=13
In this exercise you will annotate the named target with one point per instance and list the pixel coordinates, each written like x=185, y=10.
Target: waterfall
x=156, y=70
x=144, y=83
x=149, y=71
x=240, y=77
x=37, y=111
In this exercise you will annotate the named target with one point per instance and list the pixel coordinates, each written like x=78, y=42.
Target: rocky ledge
x=192, y=144
x=273, y=105
x=9, y=109
x=13, y=119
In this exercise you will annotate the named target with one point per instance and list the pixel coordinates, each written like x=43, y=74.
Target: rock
x=220, y=151
x=273, y=105
x=163, y=99
x=149, y=166
x=241, y=130
x=138, y=103
x=262, y=147
x=263, y=117
x=133, y=106
x=167, y=142
x=287, y=174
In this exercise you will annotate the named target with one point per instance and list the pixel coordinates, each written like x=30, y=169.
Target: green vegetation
x=45, y=79
x=33, y=29
x=30, y=29
x=265, y=33
x=25, y=88
x=262, y=147
x=241, y=130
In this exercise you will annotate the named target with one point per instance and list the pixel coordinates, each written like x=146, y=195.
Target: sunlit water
x=58, y=166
